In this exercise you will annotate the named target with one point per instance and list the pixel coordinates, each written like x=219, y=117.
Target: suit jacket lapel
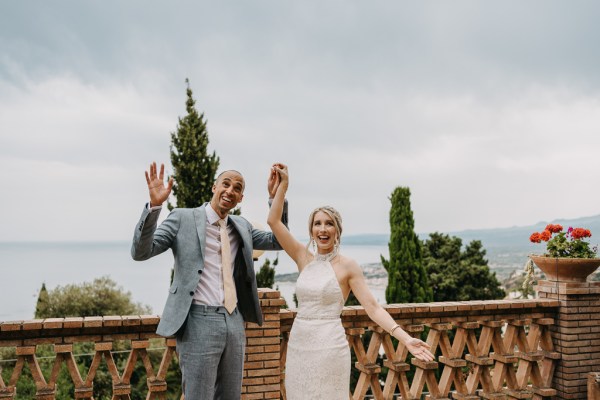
x=246, y=238
x=200, y=217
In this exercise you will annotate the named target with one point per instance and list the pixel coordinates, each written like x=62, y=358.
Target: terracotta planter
x=566, y=269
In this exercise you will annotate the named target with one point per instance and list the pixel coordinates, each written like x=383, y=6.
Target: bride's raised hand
x=419, y=349
x=282, y=171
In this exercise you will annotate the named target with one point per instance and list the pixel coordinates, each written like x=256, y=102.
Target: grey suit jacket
x=184, y=232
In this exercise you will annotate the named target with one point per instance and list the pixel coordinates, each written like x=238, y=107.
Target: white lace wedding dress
x=318, y=355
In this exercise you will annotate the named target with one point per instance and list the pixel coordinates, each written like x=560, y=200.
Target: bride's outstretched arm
x=292, y=247
x=379, y=315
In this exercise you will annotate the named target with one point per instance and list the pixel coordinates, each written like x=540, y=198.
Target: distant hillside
x=507, y=248
x=516, y=236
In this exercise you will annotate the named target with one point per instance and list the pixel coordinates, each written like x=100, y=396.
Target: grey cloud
x=434, y=45
x=466, y=102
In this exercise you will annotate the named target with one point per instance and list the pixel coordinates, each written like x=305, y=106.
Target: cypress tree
x=42, y=302
x=407, y=279
x=193, y=168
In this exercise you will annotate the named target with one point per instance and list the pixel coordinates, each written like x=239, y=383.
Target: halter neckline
x=328, y=256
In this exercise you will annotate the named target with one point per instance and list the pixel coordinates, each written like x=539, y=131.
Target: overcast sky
x=488, y=111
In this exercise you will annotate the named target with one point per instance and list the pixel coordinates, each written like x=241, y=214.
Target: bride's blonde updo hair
x=333, y=214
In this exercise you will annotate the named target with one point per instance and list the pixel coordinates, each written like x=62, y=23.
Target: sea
x=26, y=266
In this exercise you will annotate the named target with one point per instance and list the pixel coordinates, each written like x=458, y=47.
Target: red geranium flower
x=579, y=233
x=554, y=228
x=535, y=237
x=546, y=235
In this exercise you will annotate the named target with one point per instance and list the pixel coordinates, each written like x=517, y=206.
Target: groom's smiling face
x=228, y=191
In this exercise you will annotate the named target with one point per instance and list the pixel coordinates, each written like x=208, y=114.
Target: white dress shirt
x=210, y=288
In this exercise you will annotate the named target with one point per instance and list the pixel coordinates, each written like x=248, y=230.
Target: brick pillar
x=575, y=334
x=262, y=368
x=594, y=386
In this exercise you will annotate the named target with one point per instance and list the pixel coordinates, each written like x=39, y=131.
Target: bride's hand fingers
x=428, y=355
x=423, y=353
x=282, y=171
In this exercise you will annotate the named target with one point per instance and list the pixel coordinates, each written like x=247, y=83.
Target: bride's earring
x=336, y=246
x=314, y=245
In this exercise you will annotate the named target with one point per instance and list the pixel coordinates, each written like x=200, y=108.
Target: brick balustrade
x=499, y=350
x=505, y=349
x=261, y=373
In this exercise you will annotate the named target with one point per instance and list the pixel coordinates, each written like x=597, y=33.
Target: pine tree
x=456, y=274
x=194, y=169
x=266, y=276
x=407, y=279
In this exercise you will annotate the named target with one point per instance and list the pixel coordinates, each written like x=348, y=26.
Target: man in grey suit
x=213, y=291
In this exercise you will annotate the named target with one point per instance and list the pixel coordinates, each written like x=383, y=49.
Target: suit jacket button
x=199, y=271
x=191, y=293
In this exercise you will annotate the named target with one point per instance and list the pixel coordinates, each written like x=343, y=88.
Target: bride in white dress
x=318, y=355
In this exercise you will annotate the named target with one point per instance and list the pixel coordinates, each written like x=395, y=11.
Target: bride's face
x=323, y=232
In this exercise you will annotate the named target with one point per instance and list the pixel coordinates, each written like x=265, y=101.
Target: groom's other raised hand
x=156, y=186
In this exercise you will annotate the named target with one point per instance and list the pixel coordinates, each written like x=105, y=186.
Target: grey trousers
x=211, y=354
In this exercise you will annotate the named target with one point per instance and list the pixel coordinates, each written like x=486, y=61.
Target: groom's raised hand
x=156, y=186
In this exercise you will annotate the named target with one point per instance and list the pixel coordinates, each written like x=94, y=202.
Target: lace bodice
x=318, y=356
x=318, y=292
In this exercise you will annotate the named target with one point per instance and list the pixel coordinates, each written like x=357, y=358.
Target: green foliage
x=523, y=283
x=266, y=275
x=193, y=168
x=407, y=279
x=457, y=274
x=100, y=297
x=351, y=300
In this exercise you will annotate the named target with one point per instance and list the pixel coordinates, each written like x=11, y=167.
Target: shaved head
x=233, y=171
